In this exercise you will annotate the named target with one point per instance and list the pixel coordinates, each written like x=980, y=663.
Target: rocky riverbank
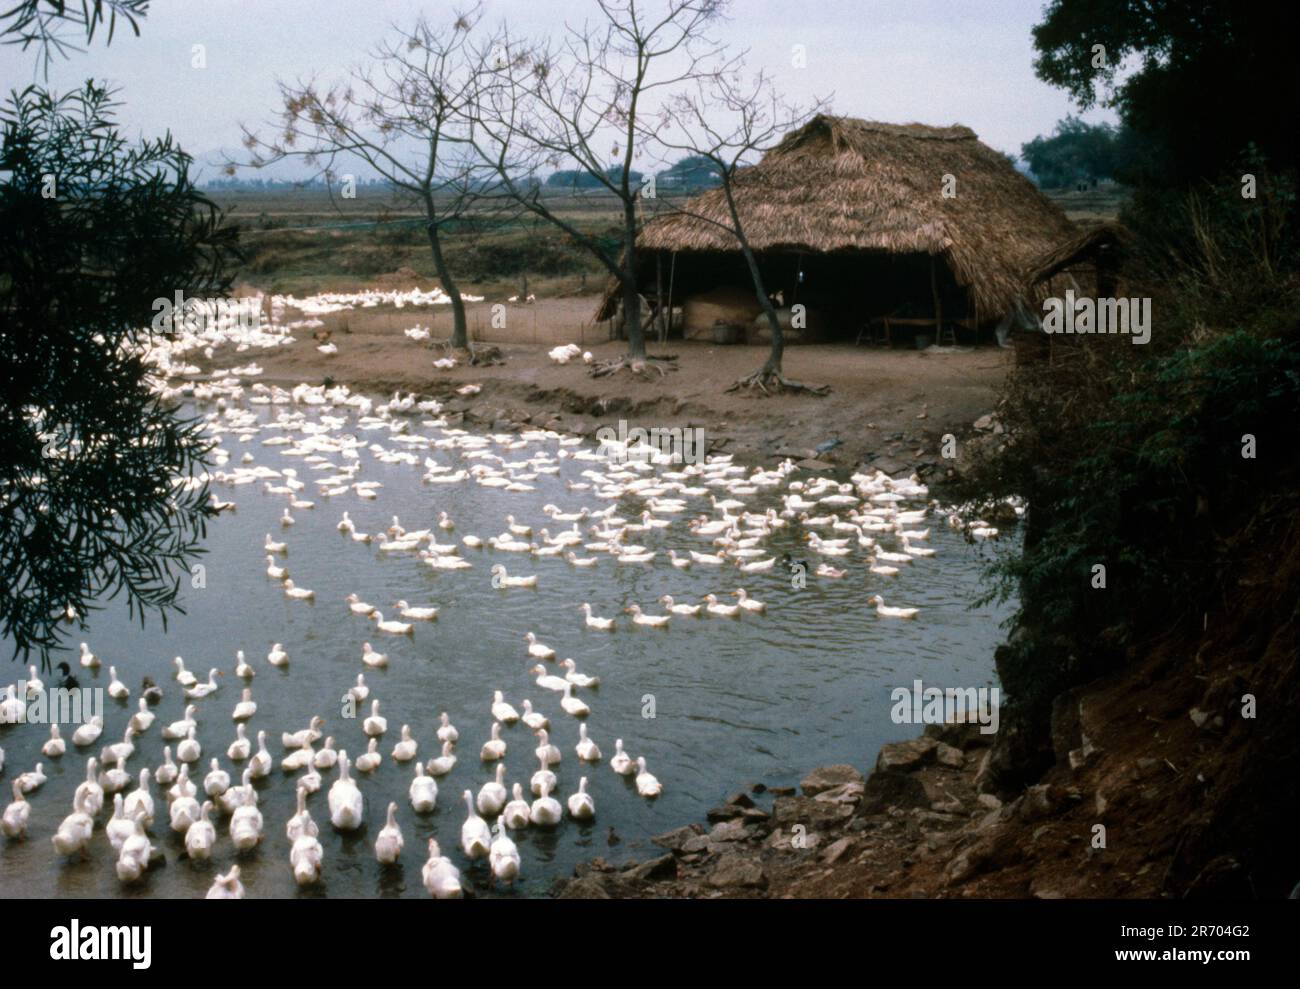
x=839, y=833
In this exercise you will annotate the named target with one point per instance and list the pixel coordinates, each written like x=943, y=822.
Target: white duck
x=179, y=729
x=406, y=749
x=376, y=724
x=588, y=751
x=90, y=795
x=241, y=747
x=389, y=843
x=546, y=810
x=121, y=750
x=183, y=813
x=503, y=712
x=305, y=858
x=189, y=749
x=596, y=622
x=34, y=779
x=345, y=801
x=515, y=814
x=575, y=706
x=217, y=781
x=441, y=878
x=534, y=719
x=133, y=859
x=475, y=838
x=246, y=708
x=143, y=718
x=54, y=746
x=721, y=610
x=503, y=857
x=116, y=688
x=327, y=757
x=446, y=731
x=576, y=678
x=139, y=802
x=260, y=764
x=391, y=627
x=227, y=887
x=581, y=805
x=360, y=690
x=646, y=784
x=74, y=833
x=423, y=791
x=495, y=747
x=201, y=836
x=183, y=676
x=621, y=762
x=547, y=681
x=689, y=610
x=246, y=826
x=291, y=590
x=89, y=660
x=442, y=765
x=277, y=657
x=359, y=607
x=14, y=821
x=649, y=621
x=119, y=826
x=115, y=780
x=545, y=751
x=275, y=572
x=543, y=779
x=536, y=649
x=492, y=795
x=371, y=658
x=88, y=734
x=309, y=735
x=416, y=614
x=370, y=759
x=206, y=689
x=183, y=787
x=884, y=611
x=301, y=823
x=749, y=603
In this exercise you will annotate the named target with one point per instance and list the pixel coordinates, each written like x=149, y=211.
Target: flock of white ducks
x=841, y=521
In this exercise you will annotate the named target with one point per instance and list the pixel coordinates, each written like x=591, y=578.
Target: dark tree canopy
x=1208, y=77
x=1076, y=152
x=90, y=461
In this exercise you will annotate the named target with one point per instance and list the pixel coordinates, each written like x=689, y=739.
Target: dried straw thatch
x=1108, y=244
x=840, y=184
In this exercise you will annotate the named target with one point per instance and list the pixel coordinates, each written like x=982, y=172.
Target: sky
x=929, y=61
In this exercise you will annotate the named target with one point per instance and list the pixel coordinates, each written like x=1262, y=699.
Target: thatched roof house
x=852, y=214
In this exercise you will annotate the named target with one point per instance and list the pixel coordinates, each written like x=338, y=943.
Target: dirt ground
x=886, y=406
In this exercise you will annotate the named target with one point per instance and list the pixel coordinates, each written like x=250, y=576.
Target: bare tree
x=730, y=121
x=578, y=103
x=406, y=117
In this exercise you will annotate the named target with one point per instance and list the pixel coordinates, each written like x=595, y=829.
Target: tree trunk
x=460, y=329
x=773, y=365
x=631, y=297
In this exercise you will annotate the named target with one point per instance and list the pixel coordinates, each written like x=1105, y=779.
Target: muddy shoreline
x=887, y=409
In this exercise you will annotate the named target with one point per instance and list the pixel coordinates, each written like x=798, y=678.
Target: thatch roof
x=840, y=183
x=1107, y=243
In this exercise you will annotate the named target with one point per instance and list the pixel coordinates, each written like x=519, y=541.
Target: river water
x=762, y=699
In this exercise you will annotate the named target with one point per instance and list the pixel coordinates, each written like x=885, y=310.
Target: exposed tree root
x=640, y=366
x=471, y=355
x=770, y=381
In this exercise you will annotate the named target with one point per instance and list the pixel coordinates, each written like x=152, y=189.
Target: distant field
x=302, y=241
x=299, y=241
